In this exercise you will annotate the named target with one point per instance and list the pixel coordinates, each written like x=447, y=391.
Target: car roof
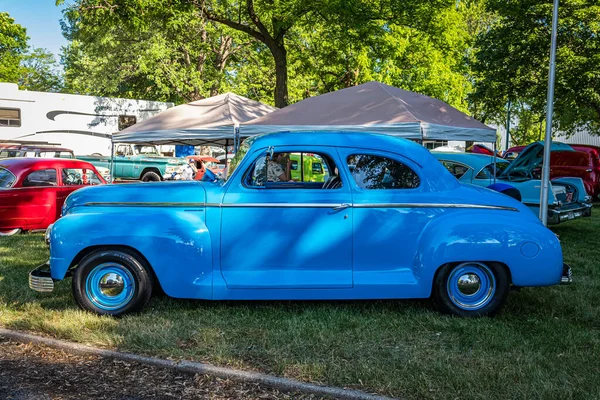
x=475, y=161
x=365, y=140
x=28, y=162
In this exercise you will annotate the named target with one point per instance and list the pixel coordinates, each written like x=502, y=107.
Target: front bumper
x=556, y=216
x=40, y=279
x=567, y=275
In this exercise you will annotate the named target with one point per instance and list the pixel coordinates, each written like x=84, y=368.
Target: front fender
x=175, y=242
x=531, y=252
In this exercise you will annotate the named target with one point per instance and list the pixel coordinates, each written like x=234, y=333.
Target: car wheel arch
x=455, y=263
x=150, y=169
x=122, y=248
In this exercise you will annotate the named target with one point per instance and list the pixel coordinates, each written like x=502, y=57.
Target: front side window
x=7, y=178
x=10, y=117
x=377, y=172
x=293, y=170
x=78, y=177
x=43, y=177
x=456, y=169
x=488, y=171
x=123, y=150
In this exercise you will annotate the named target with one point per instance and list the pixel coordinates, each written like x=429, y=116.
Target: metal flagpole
x=549, y=110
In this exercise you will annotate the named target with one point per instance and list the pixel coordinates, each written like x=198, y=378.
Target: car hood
x=530, y=158
x=160, y=194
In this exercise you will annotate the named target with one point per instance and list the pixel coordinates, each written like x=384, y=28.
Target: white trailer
x=84, y=124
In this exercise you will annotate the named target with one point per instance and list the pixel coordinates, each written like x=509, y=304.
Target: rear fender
x=506, y=237
x=175, y=242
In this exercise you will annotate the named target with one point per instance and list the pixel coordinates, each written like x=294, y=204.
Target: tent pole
x=549, y=110
x=112, y=160
x=507, y=127
x=494, y=162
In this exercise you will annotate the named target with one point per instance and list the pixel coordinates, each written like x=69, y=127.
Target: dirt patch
x=39, y=372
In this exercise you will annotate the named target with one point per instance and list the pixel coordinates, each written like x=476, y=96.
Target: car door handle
x=589, y=170
x=341, y=207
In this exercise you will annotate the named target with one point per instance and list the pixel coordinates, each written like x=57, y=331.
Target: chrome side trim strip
x=281, y=205
x=142, y=204
x=298, y=205
x=432, y=205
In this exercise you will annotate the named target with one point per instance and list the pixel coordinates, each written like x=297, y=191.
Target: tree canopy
x=13, y=45
x=513, y=60
x=32, y=69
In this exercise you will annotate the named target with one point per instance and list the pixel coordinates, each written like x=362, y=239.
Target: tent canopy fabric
x=375, y=107
x=207, y=121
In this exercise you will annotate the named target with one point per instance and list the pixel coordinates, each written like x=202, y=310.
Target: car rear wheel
x=10, y=232
x=151, y=176
x=112, y=282
x=471, y=289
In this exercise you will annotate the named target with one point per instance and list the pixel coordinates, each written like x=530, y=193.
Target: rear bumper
x=40, y=279
x=567, y=275
x=556, y=216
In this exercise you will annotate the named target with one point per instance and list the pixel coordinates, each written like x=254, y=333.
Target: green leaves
x=13, y=45
x=32, y=70
x=513, y=59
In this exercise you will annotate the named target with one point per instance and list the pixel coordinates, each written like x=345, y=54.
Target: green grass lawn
x=544, y=344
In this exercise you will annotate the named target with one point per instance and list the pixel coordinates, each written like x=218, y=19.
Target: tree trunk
x=281, y=75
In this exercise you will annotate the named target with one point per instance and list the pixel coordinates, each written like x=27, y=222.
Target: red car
x=513, y=152
x=32, y=190
x=586, y=167
x=203, y=162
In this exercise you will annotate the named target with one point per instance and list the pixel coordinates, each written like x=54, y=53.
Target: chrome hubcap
x=469, y=284
x=112, y=284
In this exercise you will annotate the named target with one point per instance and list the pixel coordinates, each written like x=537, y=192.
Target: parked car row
x=576, y=160
x=567, y=197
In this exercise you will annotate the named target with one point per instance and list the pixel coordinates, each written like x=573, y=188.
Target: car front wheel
x=112, y=282
x=471, y=289
x=151, y=176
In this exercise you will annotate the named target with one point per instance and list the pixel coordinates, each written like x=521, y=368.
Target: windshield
x=487, y=172
x=7, y=178
x=149, y=150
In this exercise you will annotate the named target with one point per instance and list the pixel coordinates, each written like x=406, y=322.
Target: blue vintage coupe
x=389, y=221
x=567, y=197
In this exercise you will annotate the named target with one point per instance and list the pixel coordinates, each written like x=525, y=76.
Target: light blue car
x=567, y=198
x=387, y=222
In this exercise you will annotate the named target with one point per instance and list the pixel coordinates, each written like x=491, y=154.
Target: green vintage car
x=315, y=170
x=138, y=162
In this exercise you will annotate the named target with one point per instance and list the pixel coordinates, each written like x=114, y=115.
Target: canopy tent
x=211, y=121
x=375, y=107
